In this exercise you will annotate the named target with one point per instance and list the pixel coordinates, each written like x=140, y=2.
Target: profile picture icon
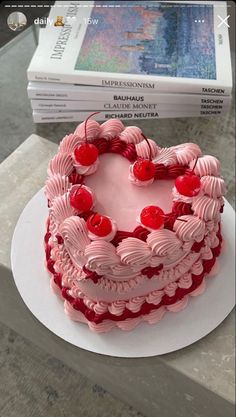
x=17, y=21
x=59, y=21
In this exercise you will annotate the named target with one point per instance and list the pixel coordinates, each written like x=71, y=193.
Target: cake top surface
x=121, y=203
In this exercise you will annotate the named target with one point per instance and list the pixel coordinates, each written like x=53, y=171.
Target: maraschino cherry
x=99, y=225
x=152, y=216
x=144, y=169
x=86, y=153
x=188, y=184
x=80, y=198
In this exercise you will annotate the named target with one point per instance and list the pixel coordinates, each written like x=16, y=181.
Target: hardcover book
x=82, y=93
x=163, y=46
x=48, y=116
x=73, y=105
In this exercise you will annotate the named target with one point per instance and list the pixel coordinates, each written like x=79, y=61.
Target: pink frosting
x=122, y=272
x=170, y=289
x=61, y=208
x=185, y=281
x=166, y=156
x=206, y=208
x=135, y=304
x=143, y=150
x=69, y=143
x=186, y=152
x=120, y=287
x=61, y=164
x=75, y=235
x=108, y=237
x=212, y=225
x=155, y=297
x=212, y=240
x=164, y=243
x=56, y=185
x=93, y=130
x=197, y=268
x=213, y=186
x=101, y=256
x=206, y=253
x=134, y=252
x=189, y=228
x=117, y=307
x=135, y=180
x=89, y=303
x=153, y=317
x=100, y=307
x=131, y=134
x=206, y=165
x=111, y=129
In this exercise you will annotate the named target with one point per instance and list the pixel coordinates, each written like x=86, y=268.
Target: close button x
x=223, y=21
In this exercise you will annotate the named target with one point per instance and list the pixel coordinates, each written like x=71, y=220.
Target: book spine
x=148, y=84
x=60, y=105
x=113, y=101
x=50, y=117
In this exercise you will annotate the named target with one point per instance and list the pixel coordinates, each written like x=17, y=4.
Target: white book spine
x=50, y=91
x=50, y=117
x=61, y=105
x=135, y=83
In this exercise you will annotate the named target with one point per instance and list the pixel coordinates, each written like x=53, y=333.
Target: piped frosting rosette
x=56, y=185
x=165, y=246
x=131, y=134
x=143, y=150
x=186, y=152
x=75, y=235
x=92, y=129
x=110, y=129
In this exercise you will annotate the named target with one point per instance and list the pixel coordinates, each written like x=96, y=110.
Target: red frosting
x=75, y=178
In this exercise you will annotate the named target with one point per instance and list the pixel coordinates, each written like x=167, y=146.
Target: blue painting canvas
x=164, y=39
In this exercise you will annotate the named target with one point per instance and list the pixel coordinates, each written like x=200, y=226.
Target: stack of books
x=131, y=60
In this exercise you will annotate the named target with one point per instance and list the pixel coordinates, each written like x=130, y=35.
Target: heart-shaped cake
x=133, y=229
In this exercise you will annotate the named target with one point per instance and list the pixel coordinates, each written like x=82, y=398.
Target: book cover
x=165, y=46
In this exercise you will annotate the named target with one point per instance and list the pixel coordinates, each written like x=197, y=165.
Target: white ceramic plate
x=175, y=331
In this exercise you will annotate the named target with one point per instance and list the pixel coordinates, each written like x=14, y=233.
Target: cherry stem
x=85, y=125
x=194, y=166
x=173, y=215
x=150, y=149
x=94, y=221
